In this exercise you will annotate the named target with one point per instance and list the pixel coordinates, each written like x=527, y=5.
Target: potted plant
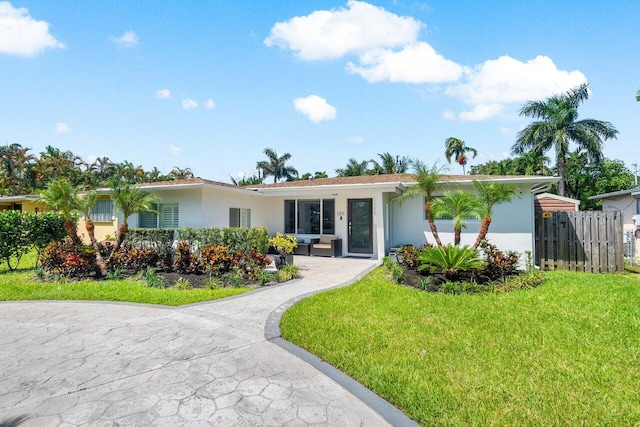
x=284, y=244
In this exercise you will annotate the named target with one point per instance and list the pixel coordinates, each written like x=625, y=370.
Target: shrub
x=266, y=277
x=213, y=283
x=451, y=260
x=183, y=284
x=185, y=262
x=528, y=280
x=217, y=259
x=66, y=259
x=497, y=263
x=288, y=272
x=409, y=255
x=235, y=279
x=387, y=262
x=397, y=273
x=236, y=239
x=153, y=279
x=115, y=274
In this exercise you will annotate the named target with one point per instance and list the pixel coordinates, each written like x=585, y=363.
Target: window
x=102, y=211
x=444, y=217
x=239, y=218
x=309, y=216
x=167, y=216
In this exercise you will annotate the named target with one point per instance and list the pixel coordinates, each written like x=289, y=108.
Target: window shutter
x=234, y=217
x=148, y=219
x=102, y=211
x=169, y=216
x=245, y=218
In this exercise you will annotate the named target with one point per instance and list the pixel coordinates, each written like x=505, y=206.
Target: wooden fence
x=590, y=241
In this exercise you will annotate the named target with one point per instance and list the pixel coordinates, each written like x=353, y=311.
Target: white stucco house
x=364, y=211
x=628, y=203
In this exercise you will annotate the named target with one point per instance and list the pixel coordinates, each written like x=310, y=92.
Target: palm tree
x=638, y=95
x=427, y=183
x=491, y=193
x=130, y=200
x=390, y=164
x=84, y=204
x=354, y=168
x=15, y=169
x=558, y=126
x=457, y=149
x=245, y=181
x=179, y=173
x=275, y=166
x=459, y=206
x=61, y=196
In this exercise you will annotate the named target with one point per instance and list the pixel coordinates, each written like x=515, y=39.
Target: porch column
x=378, y=225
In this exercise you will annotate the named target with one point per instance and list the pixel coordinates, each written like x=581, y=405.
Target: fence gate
x=590, y=241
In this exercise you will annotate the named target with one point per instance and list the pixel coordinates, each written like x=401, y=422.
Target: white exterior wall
x=189, y=206
x=512, y=226
x=628, y=206
x=216, y=204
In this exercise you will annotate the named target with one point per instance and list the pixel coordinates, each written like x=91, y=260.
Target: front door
x=360, y=226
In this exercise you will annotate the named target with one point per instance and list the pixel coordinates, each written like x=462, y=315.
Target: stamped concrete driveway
x=86, y=363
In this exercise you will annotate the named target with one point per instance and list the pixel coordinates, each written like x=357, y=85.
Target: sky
x=210, y=84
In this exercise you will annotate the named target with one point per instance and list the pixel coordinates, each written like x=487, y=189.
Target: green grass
x=23, y=285
x=565, y=353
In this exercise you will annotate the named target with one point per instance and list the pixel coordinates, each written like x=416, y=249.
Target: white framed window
x=239, y=217
x=309, y=216
x=102, y=210
x=167, y=216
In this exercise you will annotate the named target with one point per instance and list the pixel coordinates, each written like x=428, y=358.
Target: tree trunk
x=484, y=229
x=122, y=231
x=456, y=236
x=99, y=260
x=432, y=224
x=72, y=230
x=560, y=164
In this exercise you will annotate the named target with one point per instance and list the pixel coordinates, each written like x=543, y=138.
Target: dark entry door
x=360, y=226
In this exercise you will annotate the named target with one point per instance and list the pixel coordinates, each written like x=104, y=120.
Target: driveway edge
x=390, y=413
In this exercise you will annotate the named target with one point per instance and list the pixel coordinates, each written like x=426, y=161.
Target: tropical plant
x=246, y=181
x=318, y=174
x=427, y=183
x=557, y=126
x=15, y=169
x=288, y=272
x=456, y=148
x=180, y=173
x=459, y=206
x=390, y=164
x=491, y=193
x=84, y=204
x=354, y=168
x=275, y=166
x=451, y=260
x=130, y=200
x=62, y=197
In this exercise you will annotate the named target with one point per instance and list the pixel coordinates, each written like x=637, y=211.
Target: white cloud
x=128, y=39
x=163, y=94
x=175, y=150
x=316, y=108
x=448, y=115
x=415, y=63
x=489, y=86
x=210, y=104
x=61, y=128
x=329, y=34
x=189, y=104
x=22, y=35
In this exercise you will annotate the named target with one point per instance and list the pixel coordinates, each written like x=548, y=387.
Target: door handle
x=349, y=228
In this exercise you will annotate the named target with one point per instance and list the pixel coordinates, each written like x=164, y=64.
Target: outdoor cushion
x=326, y=239
x=322, y=245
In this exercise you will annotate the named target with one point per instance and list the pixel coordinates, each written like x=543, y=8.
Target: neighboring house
x=628, y=203
x=20, y=203
x=547, y=202
x=363, y=211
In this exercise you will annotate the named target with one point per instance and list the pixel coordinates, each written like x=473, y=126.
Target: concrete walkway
x=89, y=363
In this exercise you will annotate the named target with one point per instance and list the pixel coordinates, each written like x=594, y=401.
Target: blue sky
x=209, y=85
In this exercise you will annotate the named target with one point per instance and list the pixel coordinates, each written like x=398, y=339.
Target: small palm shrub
x=183, y=284
x=288, y=272
x=451, y=260
x=213, y=283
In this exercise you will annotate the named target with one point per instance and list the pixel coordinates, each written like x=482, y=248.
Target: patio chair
x=326, y=246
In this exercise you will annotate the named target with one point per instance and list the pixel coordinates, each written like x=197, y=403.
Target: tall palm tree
x=354, y=168
x=390, y=164
x=427, y=183
x=84, y=204
x=459, y=206
x=456, y=148
x=130, y=200
x=62, y=197
x=557, y=126
x=490, y=193
x=275, y=166
x=638, y=95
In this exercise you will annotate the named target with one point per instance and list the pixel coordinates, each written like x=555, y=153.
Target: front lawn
x=23, y=285
x=566, y=353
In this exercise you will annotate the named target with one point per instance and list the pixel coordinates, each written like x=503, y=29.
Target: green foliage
x=284, y=243
x=288, y=272
x=213, y=283
x=498, y=264
x=236, y=239
x=153, y=279
x=397, y=273
x=185, y=262
x=183, y=284
x=266, y=277
x=451, y=260
x=133, y=258
x=458, y=205
x=115, y=274
x=409, y=254
x=21, y=232
x=275, y=166
x=234, y=279
x=527, y=280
